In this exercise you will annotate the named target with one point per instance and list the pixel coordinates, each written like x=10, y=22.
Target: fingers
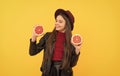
x=78, y=44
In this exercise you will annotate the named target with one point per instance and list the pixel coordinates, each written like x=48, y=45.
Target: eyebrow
x=58, y=20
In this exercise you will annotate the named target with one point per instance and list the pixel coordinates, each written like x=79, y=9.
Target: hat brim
x=59, y=11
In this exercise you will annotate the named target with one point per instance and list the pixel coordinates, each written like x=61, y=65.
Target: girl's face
x=60, y=24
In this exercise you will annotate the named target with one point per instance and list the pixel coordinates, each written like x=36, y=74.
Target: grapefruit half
x=77, y=39
x=38, y=29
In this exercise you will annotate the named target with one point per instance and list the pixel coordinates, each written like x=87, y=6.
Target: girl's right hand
x=34, y=35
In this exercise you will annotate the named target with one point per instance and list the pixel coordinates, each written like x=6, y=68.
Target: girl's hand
x=77, y=46
x=34, y=35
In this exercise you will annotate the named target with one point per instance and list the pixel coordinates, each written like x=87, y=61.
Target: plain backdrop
x=97, y=21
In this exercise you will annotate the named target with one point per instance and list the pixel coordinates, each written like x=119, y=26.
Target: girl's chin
x=57, y=29
x=60, y=30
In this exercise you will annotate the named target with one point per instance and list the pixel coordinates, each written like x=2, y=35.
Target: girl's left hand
x=77, y=46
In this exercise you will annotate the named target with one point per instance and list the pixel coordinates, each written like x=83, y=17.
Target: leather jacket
x=36, y=48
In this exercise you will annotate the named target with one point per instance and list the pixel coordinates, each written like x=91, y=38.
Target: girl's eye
x=60, y=21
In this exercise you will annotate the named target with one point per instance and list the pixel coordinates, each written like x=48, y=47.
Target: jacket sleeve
x=74, y=58
x=35, y=48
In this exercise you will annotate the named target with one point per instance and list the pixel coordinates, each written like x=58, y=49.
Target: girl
x=60, y=53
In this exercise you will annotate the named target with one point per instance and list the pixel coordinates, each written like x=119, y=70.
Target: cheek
x=64, y=25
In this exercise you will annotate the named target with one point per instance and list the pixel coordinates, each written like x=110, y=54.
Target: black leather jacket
x=36, y=48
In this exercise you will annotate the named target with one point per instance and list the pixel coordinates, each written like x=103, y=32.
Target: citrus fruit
x=38, y=30
x=77, y=39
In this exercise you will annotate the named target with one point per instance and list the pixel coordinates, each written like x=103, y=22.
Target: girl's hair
x=67, y=44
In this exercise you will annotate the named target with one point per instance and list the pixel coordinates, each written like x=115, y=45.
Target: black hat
x=68, y=14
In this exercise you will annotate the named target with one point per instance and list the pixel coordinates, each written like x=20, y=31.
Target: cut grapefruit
x=76, y=39
x=38, y=29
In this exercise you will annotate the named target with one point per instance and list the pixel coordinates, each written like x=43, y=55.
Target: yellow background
x=98, y=21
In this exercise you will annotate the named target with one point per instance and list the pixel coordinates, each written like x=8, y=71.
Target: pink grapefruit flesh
x=76, y=39
x=38, y=30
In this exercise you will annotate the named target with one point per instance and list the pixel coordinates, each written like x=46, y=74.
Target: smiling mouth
x=57, y=26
